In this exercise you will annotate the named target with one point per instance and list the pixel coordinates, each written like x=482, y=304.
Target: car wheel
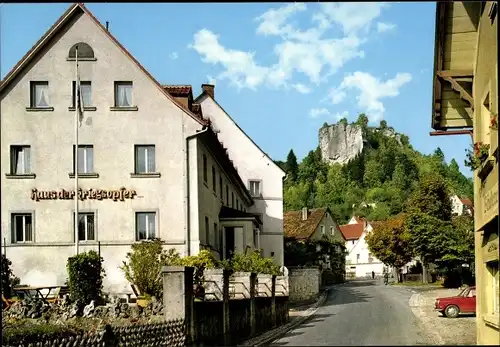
x=451, y=311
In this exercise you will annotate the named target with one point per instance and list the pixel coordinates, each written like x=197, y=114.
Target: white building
x=149, y=164
x=258, y=171
x=460, y=206
x=359, y=261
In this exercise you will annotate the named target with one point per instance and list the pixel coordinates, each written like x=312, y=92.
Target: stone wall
x=304, y=283
x=171, y=333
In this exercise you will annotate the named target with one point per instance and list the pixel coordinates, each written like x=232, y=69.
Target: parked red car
x=451, y=307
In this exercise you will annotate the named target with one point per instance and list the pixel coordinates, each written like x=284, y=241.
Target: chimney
x=107, y=26
x=210, y=89
x=304, y=213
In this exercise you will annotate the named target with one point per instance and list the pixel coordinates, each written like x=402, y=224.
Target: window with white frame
x=39, y=94
x=20, y=160
x=123, y=94
x=22, y=227
x=145, y=225
x=357, y=258
x=494, y=289
x=86, y=226
x=145, y=161
x=86, y=90
x=322, y=230
x=370, y=258
x=85, y=158
x=254, y=188
x=332, y=230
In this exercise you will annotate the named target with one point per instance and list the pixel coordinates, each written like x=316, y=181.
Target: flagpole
x=77, y=87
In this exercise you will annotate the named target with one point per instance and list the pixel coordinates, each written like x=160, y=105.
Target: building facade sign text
x=83, y=194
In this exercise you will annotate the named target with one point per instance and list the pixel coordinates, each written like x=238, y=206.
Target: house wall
x=363, y=267
x=113, y=134
x=331, y=228
x=253, y=164
x=457, y=207
x=211, y=200
x=485, y=96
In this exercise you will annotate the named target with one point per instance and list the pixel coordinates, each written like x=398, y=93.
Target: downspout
x=187, y=197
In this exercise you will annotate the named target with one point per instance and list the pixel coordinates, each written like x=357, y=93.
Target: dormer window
x=85, y=52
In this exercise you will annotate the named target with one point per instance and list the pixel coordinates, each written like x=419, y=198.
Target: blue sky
x=281, y=70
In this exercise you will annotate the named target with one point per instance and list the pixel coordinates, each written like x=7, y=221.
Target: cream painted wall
x=113, y=134
x=252, y=163
x=362, y=266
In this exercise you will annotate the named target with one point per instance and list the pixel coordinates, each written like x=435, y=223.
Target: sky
x=280, y=70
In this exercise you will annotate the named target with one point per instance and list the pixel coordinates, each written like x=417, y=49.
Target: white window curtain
x=146, y=226
x=41, y=95
x=85, y=159
x=150, y=217
x=150, y=151
x=23, y=230
x=86, y=91
x=254, y=188
x=124, y=95
x=21, y=160
x=145, y=160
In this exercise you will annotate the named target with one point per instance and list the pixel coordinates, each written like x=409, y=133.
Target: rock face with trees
x=389, y=181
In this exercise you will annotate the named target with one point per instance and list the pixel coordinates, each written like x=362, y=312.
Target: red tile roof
x=466, y=202
x=295, y=227
x=178, y=89
x=352, y=231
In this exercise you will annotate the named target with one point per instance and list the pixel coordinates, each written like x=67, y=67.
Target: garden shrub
x=85, y=276
x=252, y=262
x=30, y=333
x=144, y=266
x=7, y=277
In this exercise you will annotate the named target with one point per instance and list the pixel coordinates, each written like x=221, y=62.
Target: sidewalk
x=297, y=314
x=444, y=331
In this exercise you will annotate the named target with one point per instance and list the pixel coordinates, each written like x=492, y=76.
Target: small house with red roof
x=359, y=261
x=461, y=206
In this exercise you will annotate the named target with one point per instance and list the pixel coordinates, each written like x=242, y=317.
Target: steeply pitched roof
x=294, y=226
x=466, y=202
x=58, y=25
x=178, y=89
x=352, y=231
x=205, y=94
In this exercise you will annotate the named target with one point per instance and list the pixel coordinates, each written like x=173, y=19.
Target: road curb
x=415, y=304
x=276, y=333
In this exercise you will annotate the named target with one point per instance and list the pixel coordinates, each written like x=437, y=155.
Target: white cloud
x=318, y=112
x=383, y=27
x=301, y=88
x=211, y=80
x=339, y=115
x=306, y=51
x=173, y=55
x=372, y=90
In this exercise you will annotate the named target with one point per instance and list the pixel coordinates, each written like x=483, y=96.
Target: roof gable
x=204, y=95
x=73, y=11
x=295, y=227
x=352, y=231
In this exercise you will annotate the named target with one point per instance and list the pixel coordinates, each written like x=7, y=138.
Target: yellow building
x=465, y=101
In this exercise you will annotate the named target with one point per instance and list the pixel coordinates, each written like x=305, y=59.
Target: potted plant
x=477, y=155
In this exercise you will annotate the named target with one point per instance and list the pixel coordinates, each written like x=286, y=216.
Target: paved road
x=360, y=313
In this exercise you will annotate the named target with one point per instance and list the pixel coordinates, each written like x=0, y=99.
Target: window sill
x=39, y=109
x=81, y=59
x=20, y=176
x=492, y=320
x=85, y=175
x=86, y=108
x=127, y=108
x=146, y=175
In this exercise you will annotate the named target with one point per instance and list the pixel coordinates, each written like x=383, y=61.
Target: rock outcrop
x=339, y=143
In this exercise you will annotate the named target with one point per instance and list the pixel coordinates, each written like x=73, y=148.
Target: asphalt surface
x=360, y=313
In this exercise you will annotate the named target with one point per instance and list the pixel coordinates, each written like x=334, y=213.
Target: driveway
x=361, y=313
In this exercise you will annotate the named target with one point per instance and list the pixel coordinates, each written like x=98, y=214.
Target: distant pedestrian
x=373, y=275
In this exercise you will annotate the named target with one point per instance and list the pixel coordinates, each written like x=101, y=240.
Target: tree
x=312, y=167
x=343, y=121
x=389, y=242
x=383, y=124
x=438, y=153
x=432, y=197
x=291, y=166
x=362, y=120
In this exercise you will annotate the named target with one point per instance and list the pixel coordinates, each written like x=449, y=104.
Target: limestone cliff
x=340, y=143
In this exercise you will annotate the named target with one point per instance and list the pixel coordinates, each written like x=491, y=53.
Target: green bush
x=144, y=266
x=85, y=275
x=252, y=262
x=7, y=277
